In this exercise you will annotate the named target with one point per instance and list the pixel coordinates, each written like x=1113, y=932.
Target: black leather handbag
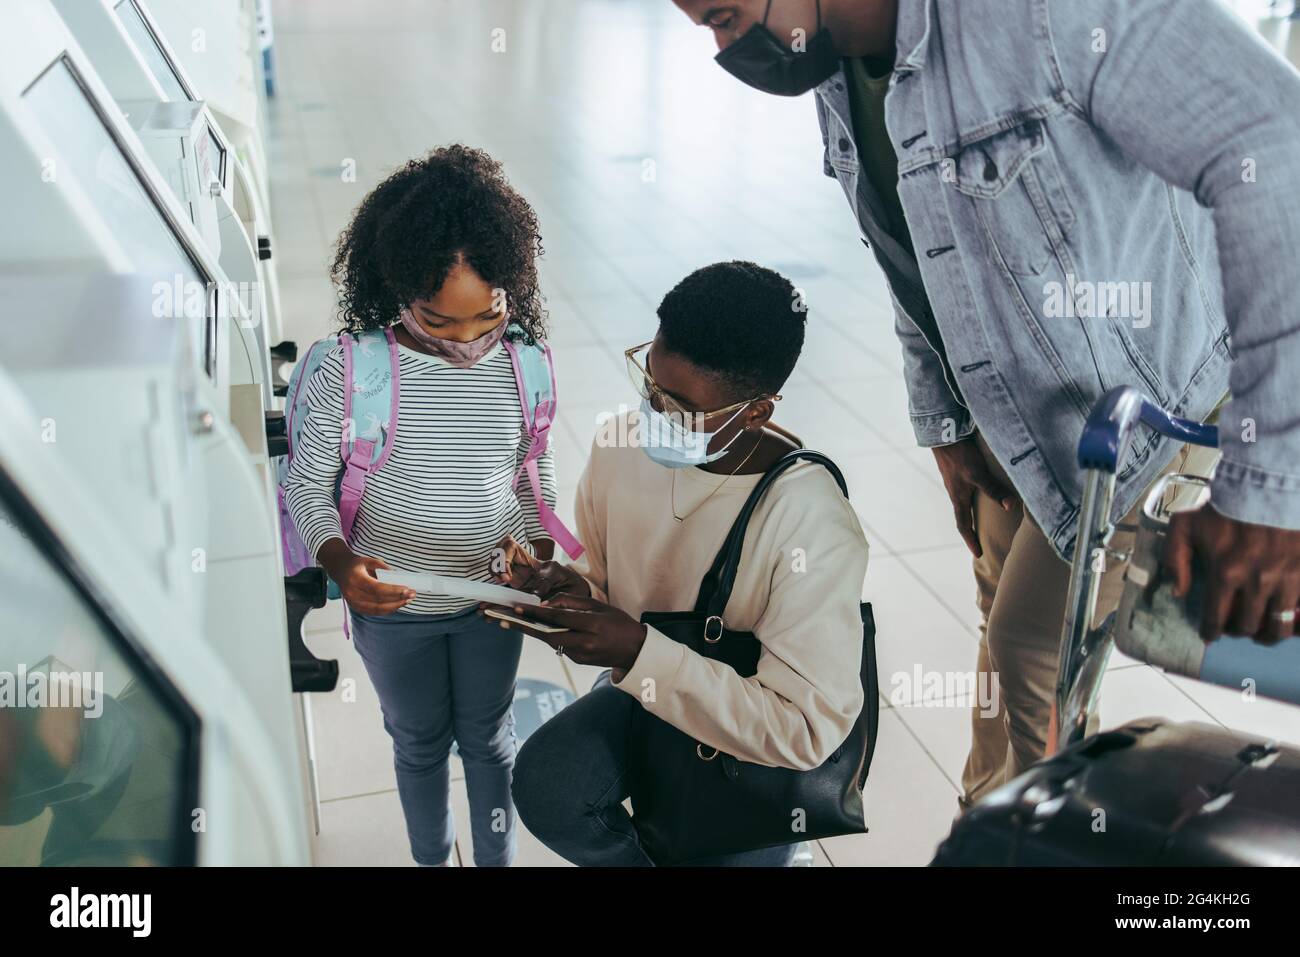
x=691, y=802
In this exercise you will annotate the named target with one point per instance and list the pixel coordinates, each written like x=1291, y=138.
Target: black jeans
x=570, y=784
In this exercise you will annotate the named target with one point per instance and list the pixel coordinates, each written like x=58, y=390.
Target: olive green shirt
x=868, y=82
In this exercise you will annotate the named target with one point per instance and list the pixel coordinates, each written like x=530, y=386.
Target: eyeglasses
x=648, y=389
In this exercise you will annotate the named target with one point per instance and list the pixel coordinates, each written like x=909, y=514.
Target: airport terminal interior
x=643, y=162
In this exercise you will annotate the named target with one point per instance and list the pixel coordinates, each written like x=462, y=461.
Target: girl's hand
x=355, y=576
x=512, y=565
x=599, y=634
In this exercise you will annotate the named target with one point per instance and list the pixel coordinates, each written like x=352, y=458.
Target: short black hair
x=739, y=321
x=453, y=205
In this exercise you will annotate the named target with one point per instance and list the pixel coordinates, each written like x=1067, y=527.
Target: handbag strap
x=715, y=590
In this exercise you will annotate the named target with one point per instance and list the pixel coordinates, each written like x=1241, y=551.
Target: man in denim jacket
x=1067, y=196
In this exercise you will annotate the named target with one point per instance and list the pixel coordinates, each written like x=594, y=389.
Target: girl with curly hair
x=444, y=252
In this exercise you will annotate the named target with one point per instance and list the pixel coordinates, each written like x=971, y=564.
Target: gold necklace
x=673, y=492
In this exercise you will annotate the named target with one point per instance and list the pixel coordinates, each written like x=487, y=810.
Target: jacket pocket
x=1018, y=196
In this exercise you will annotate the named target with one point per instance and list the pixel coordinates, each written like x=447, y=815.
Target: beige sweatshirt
x=798, y=589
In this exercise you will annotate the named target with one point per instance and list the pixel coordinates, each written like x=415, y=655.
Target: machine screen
x=147, y=44
x=84, y=149
x=95, y=749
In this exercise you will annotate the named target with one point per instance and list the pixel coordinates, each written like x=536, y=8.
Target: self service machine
x=147, y=705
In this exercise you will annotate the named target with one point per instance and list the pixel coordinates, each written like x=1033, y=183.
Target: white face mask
x=669, y=444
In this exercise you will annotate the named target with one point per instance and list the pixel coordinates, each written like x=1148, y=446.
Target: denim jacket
x=1100, y=193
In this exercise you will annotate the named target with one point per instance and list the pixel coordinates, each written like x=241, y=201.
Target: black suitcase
x=1153, y=792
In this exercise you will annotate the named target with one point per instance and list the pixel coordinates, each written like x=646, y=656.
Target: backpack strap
x=535, y=377
x=370, y=397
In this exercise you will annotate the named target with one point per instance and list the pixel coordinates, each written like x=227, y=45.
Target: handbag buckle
x=708, y=624
x=699, y=753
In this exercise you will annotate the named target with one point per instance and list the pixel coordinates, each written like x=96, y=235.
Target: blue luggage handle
x=1114, y=419
x=1226, y=661
x=1106, y=438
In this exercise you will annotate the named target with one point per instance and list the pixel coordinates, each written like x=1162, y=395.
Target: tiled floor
x=644, y=161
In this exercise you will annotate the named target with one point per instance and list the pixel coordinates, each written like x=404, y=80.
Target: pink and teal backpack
x=370, y=380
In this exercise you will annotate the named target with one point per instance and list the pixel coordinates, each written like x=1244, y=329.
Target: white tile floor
x=643, y=161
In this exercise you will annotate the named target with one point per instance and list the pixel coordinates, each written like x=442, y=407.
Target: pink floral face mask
x=462, y=355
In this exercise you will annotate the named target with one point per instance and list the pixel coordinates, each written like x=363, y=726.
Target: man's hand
x=1252, y=573
x=964, y=473
x=355, y=576
x=598, y=634
x=513, y=566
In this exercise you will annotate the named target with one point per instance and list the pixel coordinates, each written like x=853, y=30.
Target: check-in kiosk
x=217, y=47
x=147, y=716
x=192, y=152
x=128, y=378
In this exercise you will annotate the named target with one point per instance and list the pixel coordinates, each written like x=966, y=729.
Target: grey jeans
x=442, y=678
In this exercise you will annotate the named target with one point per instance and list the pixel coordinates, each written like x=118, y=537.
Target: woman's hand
x=355, y=576
x=512, y=565
x=598, y=634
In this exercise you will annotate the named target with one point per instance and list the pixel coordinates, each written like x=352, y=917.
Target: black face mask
x=760, y=60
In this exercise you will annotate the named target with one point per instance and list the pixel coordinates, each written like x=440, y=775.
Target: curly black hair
x=453, y=205
x=738, y=321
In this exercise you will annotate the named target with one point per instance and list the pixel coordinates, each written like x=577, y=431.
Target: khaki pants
x=1022, y=591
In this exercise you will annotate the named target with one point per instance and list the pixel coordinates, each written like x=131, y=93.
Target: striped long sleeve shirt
x=443, y=500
